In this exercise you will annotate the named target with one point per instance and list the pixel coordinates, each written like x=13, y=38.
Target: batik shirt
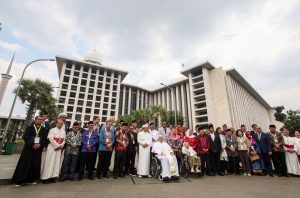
x=73, y=139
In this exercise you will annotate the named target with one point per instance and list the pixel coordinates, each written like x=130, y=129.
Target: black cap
x=272, y=126
x=124, y=124
x=43, y=113
x=90, y=122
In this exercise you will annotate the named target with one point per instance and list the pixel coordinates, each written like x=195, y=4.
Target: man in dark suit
x=264, y=142
x=214, y=152
x=45, y=122
x=253, y=126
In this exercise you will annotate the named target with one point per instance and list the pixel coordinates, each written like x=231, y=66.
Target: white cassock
x=292, y=164
x=154, y=134
x=53, y=158
x=168, y=162
x=144, y=153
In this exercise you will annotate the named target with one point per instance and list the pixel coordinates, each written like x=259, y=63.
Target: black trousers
x=87, y=160
x=233, y=164
x=214, y=162
x=223, y=166
x=278, y=159
x=204, y=163
x=130, y=161
x=69, y=166
x=103, y=163
x=267, y=161
x=119, y=163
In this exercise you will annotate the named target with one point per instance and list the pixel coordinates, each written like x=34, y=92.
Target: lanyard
x=37, y=131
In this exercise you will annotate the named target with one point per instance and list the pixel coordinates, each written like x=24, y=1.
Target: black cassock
x=29, y=165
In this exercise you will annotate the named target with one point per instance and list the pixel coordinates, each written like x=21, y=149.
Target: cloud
x=151, y=39
x=43, y=70
x=10, y=46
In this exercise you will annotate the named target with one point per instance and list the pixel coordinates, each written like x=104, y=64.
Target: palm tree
x=37, y=94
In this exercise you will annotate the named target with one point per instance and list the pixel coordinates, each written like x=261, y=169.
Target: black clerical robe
x=29, y=165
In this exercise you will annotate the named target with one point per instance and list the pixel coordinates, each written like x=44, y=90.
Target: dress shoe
x=221, y=174
x=166, y=179
x=115, y=177
x=271, y=175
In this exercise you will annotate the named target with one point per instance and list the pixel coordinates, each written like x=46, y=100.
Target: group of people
x=222, y=151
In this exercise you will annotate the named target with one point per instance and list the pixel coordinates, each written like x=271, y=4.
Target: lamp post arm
x=15, y=99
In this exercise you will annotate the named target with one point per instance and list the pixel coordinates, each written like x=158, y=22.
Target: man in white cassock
x=144, y=139
x=167, y=158
x=51, y=168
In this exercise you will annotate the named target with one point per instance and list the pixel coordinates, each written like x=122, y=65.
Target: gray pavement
x=8, y=165
x=212, y=187
x=219, y=187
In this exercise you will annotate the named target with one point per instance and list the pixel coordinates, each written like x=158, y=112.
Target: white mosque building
x=205, y=94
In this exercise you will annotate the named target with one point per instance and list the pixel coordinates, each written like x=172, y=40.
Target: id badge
x=107, y=140
x=231, y=146
x=37, y=140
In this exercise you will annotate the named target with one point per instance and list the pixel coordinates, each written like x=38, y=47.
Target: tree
x=279, y=115
x=152, y=114
x=170, y=118
x=37, y=94
x=292, y=121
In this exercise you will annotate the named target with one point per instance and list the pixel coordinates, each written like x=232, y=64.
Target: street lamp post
x=173, y=93
x=15, y=99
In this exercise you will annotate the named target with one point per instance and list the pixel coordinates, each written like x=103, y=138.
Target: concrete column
x=129, y=100
x=102, y=97
x=189, y=113
x=138, y=100
x=123, y=100
x=183, y=102
x=191, y=90
x=142, y=100
x=118, y=97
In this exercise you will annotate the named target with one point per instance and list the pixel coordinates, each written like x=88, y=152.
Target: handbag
x=254, y=157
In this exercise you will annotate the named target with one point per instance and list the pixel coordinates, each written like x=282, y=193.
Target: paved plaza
x=219, y=187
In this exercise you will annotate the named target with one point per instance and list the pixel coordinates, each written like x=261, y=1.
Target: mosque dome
x=93, y=57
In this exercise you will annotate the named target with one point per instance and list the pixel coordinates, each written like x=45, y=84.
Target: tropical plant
x=37, y=94
x=292, y=121
x=152, y=114
x=279, y=115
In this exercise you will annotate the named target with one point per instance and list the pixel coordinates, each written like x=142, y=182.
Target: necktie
x=259, y=135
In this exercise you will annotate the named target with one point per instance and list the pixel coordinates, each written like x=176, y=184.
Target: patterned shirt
x=73, y=139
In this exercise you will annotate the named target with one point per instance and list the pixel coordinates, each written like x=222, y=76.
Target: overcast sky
x=151, y=39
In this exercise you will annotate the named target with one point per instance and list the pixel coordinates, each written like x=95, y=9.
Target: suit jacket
x=215, y=145
x=132, y=141
x=264, y=142
x=165, y=134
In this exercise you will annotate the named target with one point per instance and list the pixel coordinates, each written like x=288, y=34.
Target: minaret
x=5, y=78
